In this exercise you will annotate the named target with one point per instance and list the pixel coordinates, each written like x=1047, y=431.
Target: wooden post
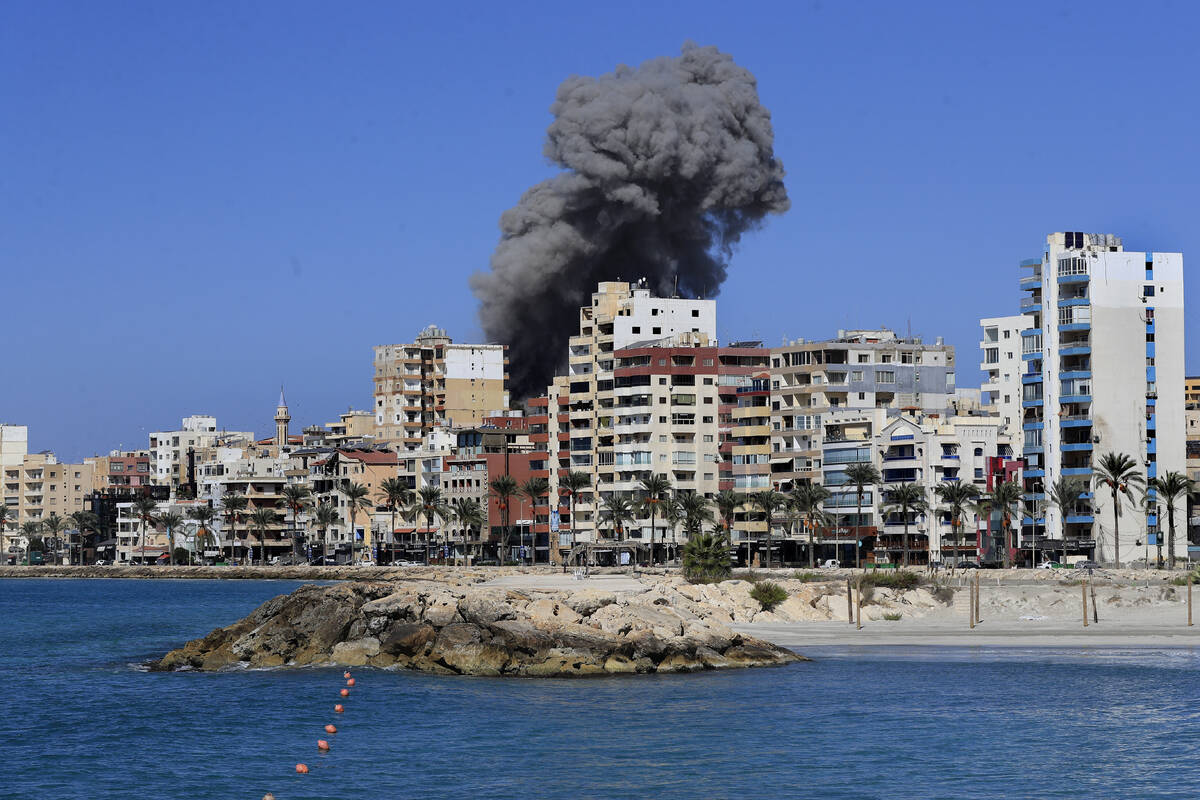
x=860, y=605
x=1189, y=601
x=1095, y=611
x=850, y=602
x=1083, y=593
x=978, y=610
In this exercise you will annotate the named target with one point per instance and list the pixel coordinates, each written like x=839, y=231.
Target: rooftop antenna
x=676, y=293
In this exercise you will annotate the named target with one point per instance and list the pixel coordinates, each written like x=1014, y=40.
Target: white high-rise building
x=1001, y=362
x=1103, y=350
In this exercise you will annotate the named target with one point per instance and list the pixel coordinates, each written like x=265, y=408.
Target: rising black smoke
x=667, y=165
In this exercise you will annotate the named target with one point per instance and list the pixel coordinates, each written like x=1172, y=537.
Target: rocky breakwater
x=477, y=630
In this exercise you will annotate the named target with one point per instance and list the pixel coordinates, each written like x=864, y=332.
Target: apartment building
x=640, y=387
x=1191, y=401
x=860, y=369
x=1000, y=361
x=330, y=476
x=38, y=486
x=433, y=382
x=14, y=445
x=120, y=470
x=171, y=453
x=1103, y=353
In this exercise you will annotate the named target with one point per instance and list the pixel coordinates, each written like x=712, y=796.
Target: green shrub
x=748, y=575
x=1181, y=580
x=768, y=594
x=892, y=616
x=809, y=577
x=900, y=580
x=706, y=558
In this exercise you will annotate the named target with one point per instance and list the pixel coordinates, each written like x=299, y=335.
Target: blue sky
x=201, y=201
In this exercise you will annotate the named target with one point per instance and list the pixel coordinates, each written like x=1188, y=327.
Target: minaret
x=282, y=418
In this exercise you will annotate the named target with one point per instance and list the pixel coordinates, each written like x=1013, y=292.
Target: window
x=991, y=355
x=708, y=381
x=708, y=400
x=886, y=358
x=885, y=376
x=708, y=420
x=662, y=381
x=654, y=312
x=695, y=312
x=856, y=376
x=906, y=357
x=708, y=437
x=864, y=358
x=656, y=330
x=1147, y=291
x=636, y=329
x=708, y=362
x=1006, y=333
x=862, y=395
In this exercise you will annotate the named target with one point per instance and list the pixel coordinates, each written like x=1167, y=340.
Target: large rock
x=477, y=630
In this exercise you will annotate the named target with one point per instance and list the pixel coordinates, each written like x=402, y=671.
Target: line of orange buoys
x=323, y=744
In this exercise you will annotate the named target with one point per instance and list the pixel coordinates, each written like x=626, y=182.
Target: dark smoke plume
x=667, y=165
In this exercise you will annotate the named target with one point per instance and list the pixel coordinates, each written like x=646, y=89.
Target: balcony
x=1077, y=447
x=1075, y=471
x=1075, y=350
x=1075, y=421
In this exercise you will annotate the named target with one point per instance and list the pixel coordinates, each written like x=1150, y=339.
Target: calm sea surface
x=81, y=721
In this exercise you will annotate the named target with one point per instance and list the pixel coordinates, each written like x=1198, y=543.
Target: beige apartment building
x=433, y=382
x=40, y=486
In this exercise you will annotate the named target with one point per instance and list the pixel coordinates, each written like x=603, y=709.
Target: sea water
x=82, y=720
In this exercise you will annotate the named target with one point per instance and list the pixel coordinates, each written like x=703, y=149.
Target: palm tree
x=1065, y=494
x=395, y=495
x=356, y=500
x=1118, y=472
x=468, y=512
x=727, y=502
x=1168, y=489
x=326, y=516
x=234, y=505
x=618, y=512
x=534, y=489
x=261, y=519
x=861, y=476
x=674, y=513
x=53, y=526
x=170, y=520
x=573, y=483
x=504, y=487
x=429, y=502
x=905, y=499
x=5, y=515
x=144, y=509
x=1005, y=498
x=83, y=521
x=654, y=492
x=296, y=498
x=768, y=502
x=32, y=530
x=203, y=516
x=806, y=500
x=956, y=496
x=694, y=511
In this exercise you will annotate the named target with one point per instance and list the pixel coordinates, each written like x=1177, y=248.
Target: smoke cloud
x=666, y=166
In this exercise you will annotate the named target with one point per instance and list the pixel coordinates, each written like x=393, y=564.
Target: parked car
x=967, y=565
x=831, y=563
x=1086, y=565
x=1049, y=565
x=100, y=562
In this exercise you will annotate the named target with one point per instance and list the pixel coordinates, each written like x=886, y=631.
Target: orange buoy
x=338, y=708
x=322, y=744
x=330, y=729
x=345, y=674
x=345, y=692
x=302, y=769
x=350, y=682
